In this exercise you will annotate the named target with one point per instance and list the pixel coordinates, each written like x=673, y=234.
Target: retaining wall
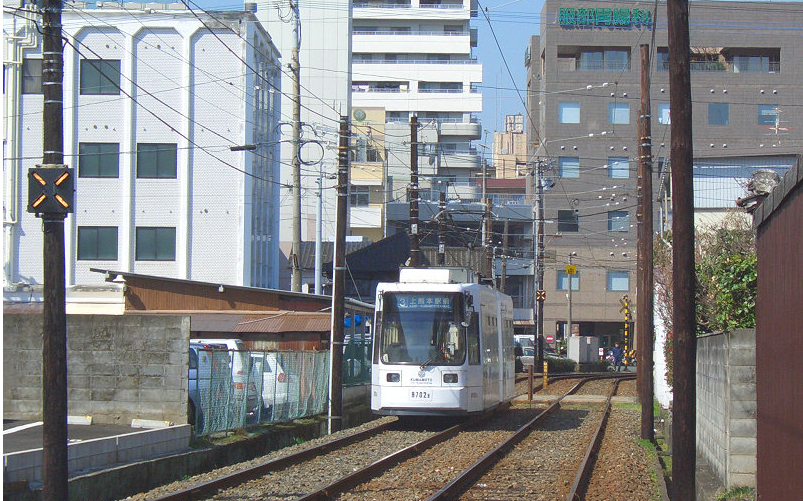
x=726, y=406
x=119, y=368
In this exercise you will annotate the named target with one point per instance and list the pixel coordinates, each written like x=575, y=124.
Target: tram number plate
x=420, y=395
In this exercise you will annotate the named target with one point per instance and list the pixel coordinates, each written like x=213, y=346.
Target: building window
x=359, y=196
x=100, y=76
x=31, y=76
x=619, y=113
x=663, y=114
x=563, y=281
x=156, y=160
x=662, y=59
x=97, y=243
x=618, y=280
x=569, y=166
x=568, y=220
x=717, y=113
x=98, y=159
x=768, y=114
x=759, y=63
x=156, y=244
x=569, y=112
x=618, y=167
x=618, y=220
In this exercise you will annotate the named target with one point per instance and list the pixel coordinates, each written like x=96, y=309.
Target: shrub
x=559, y=365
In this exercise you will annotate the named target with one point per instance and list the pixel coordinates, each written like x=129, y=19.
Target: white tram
x=442, y=346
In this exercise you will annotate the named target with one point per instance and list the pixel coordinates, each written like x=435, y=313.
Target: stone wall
x=726, y=406
x=118, y=367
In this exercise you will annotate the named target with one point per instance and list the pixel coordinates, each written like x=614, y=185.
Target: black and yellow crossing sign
x=51, y=189
x=540, y=295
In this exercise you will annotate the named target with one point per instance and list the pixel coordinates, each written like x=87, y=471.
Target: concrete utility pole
x=319, y=234
x=503, y=274
x=295, y=68
x=339, y=284
x=683, y=320
x=54, y=343
x=414, y=251
x=644, y=308
x=569, y=277
x=489, y=260
x=540, y=256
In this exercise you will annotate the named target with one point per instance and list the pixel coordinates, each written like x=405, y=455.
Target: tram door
x=490, y=356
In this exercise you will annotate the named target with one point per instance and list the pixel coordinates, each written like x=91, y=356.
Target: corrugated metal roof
x=287, y=321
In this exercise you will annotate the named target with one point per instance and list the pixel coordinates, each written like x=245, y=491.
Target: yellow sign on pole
x=571, y=269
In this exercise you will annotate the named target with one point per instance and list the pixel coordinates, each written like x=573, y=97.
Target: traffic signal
x=51, y=190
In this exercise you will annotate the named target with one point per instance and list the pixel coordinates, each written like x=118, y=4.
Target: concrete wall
x=118, y=367
x=726, y=406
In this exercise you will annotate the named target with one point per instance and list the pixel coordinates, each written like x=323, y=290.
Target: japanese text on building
x=604, y=16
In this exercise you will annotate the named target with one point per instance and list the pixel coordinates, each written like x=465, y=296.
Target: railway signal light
x=51, y=189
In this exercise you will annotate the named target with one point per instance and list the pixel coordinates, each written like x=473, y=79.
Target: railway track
x=468, y=461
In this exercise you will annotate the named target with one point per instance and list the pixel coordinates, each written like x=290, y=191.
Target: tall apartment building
x=510, y=149
x=584, y=92
x=413, y=57
x=154, y=100
x=325, y=40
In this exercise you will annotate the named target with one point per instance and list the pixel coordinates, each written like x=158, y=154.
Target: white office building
x=154, y=102
x=414, y=57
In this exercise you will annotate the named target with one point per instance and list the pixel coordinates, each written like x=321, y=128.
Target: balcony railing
x=719, y=66
x=377, y=89
x=381, y=5
x=441, y=5
x=416, y=32
x=440, y=91
x=418, y=61
x=602, y=66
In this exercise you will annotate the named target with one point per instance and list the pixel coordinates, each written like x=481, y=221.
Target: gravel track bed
x=422, y=476
x=623, y=469
x=553, y=388
x=627, y=389
x=543, y=465
x=598, y=387
x=219, y=472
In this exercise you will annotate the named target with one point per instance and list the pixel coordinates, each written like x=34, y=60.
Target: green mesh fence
x=357, y=361
x=240, y=388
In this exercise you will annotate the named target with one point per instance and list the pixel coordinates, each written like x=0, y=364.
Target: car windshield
x=529, y=352
x=422, y=329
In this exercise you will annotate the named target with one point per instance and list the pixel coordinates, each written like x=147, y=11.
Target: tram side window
x=473, y=340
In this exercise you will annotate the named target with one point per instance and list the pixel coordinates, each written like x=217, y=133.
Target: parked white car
x=279, y=387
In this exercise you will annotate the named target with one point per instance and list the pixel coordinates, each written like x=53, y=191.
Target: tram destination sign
x=603, y=17
x=423, y=302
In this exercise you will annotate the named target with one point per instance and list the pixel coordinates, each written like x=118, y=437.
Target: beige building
x=510, y=149
x=368, y=174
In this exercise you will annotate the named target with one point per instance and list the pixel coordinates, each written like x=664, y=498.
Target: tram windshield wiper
x=432, y=359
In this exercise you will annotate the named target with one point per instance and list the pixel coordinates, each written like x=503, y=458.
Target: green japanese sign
x=604, y=16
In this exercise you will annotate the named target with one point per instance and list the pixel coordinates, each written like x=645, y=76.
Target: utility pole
x=683, y=277
x=569, y=275
x=54, y=328
x=414, y=251
x=441, y=229
x=319, y=234
x=295, y=69
x=540, y=265
x=339, y=283
x=503, y=274
x=644, y=308
x=489, y=261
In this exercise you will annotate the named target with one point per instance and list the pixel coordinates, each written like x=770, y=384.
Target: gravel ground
x=627, y=389
x=598, y=387
x=557, y=388
x=543, y=465
x=623, y=469
x=219, y=472
x=421, y=476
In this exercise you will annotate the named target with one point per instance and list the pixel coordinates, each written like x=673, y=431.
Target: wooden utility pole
x=415, y=259
x=644, y=307
x=441, y=229
x=295, y=69
x=339, y=283
x=683, y=320
x=54, y=343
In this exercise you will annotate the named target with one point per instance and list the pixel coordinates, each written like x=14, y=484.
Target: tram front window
x=422, y=329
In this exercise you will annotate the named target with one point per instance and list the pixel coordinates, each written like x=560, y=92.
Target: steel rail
x=581, y=478
x=371, y=471
x=467, y=477
x=204, y=489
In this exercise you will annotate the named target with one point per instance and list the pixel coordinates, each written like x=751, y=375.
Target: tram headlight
x=393, y=377
x=450, y=378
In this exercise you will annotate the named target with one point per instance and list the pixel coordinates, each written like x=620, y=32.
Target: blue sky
x=513, y=22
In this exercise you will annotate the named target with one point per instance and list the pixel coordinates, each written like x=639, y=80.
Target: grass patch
x=629, y=406
x=738, y=494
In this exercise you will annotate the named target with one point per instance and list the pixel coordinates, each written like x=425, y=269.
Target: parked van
x=203, y=355
x=279, y=386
